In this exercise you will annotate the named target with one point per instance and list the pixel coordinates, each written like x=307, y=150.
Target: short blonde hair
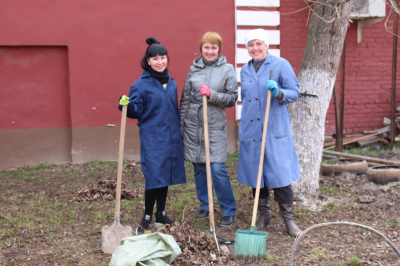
x=213, y=38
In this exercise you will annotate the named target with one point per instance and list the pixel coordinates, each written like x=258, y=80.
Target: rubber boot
x=265, y=214
x=286, y=211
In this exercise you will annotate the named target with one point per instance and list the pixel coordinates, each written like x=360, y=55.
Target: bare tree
x=326, y=34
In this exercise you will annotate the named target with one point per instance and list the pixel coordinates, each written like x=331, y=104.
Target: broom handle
x=120, y=163
x=260, y=166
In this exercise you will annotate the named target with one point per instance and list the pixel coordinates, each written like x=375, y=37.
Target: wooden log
x=331, y=144
x=370, y=159
x=370, y=164
x=384, y=130
x=328, y=157
x=368, y=142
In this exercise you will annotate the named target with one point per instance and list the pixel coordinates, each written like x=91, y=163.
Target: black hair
x=155, y=48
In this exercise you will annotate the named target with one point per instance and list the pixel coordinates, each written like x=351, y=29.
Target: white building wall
x=251, y=14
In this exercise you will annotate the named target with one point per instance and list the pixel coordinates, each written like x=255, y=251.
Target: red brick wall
x=106, y=41
x=368, y=68
x=102, y=43
x=293, y=30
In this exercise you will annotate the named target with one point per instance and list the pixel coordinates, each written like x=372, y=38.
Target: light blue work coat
x=161, y=147
x=281, y=164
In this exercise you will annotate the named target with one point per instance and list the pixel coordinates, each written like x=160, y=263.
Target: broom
x=250, y=245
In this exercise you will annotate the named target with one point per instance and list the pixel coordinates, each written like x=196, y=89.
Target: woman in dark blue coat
x=153, y=102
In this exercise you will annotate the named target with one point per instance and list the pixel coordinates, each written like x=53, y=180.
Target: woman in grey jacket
x=210, y=75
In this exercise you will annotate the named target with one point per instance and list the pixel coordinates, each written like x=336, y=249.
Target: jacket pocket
x=217, y=119
x=154, y=138
x=280, y=126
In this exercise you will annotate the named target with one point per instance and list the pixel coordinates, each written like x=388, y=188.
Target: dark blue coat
x=161, y=148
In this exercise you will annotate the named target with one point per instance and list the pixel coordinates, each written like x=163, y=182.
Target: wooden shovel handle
x=260, y=166
x=120, y=162
x=208, y=171
x=208, y=164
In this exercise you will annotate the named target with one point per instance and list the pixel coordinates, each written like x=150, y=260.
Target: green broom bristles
x=250, y=245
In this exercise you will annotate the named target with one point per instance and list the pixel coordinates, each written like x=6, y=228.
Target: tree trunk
x=325, y=38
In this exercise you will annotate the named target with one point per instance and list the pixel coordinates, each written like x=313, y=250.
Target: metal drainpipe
x=337, y=117
x=394, y=71
x=340, y=116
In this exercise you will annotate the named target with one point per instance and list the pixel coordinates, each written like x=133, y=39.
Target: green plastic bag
x=155, y=249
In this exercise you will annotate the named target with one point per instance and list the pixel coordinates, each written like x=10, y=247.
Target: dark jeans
x=222, y=187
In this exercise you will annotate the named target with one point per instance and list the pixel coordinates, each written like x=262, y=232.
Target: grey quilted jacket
x=221, y=79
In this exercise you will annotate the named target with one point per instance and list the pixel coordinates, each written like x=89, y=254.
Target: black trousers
x=281, y=195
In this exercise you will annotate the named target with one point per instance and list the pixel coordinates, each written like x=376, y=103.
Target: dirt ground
x=367, y=209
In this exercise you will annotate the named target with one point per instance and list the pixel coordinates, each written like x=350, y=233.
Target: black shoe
x=162, y=218
x=227, y=221
x=144, y=225
x=202, y=214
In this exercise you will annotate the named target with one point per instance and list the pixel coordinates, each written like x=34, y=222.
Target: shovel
x=112, y=235
x=208, y=170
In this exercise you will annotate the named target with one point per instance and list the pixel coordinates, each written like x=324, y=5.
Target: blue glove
x=273, y=86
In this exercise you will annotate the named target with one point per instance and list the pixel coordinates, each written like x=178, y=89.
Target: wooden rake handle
x=120, y=163
x=260, y=166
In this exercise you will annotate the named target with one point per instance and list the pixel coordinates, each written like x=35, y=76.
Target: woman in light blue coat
x=281, y=164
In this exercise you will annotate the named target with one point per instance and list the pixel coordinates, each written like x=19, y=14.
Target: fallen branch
x=333, y=157
x=371, y=159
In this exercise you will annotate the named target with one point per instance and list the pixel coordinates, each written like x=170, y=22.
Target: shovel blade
x=112, y=235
